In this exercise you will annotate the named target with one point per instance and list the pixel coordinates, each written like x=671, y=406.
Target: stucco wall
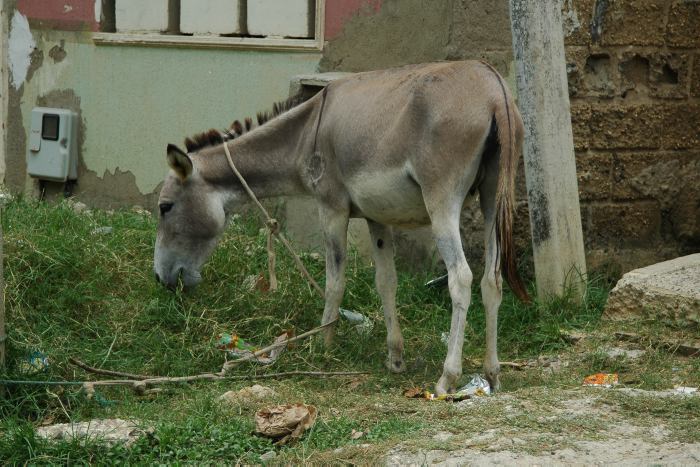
x=132, y=100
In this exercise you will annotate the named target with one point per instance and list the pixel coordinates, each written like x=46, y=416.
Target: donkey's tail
x=510, y=137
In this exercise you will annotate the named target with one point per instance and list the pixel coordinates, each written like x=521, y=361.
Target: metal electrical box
x=53, y=145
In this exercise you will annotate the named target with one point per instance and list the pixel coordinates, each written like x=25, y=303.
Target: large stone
x=632, y=22
x=594, y=179
x=624, y=225
x=105, y=431
x=683, y=24
x=654, y=175
x=576, y=16
x=643, y=126
x=695, y=79
x=668, y=290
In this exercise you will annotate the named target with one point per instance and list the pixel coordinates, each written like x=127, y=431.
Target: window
x=267, y=24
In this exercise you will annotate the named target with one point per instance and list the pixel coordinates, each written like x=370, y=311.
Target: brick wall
x=634, y=82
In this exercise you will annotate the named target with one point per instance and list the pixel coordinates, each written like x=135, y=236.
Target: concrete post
x=550, y=167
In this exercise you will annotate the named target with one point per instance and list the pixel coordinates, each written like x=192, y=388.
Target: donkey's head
x=191, y=221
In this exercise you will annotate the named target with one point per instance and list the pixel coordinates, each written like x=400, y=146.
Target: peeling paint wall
x=132, y=100
x=20, y=47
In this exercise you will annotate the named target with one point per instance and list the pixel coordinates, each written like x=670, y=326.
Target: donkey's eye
x=165, y=207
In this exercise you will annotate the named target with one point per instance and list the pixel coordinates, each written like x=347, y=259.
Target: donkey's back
x=392, y=134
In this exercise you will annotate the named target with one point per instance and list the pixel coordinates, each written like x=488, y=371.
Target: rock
x=254, y=393
x=668, y=290
x=316, y=256
x=107, y=431
x=268, y=456
x=78, y=207
x=630, y=354
x=443, y=436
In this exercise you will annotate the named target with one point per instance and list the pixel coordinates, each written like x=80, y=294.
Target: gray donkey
x=400, y=147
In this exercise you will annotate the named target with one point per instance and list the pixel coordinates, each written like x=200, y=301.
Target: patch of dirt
x=573, y=427
x=618, y=452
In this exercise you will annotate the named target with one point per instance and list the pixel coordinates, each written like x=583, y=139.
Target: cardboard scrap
x=286, y=423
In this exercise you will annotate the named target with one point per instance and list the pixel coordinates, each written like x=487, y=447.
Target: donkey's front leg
x=385, y=278
x=334, y=223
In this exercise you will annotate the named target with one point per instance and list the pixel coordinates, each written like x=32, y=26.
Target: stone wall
x=634, y=83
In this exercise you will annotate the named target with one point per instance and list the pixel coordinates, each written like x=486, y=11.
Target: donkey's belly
x=391, y=198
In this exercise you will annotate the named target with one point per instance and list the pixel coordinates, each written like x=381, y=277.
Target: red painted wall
x=66, y=14
x=338, y=12
x=80, y=14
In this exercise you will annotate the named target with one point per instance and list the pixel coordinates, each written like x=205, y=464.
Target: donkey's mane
x=215, y=137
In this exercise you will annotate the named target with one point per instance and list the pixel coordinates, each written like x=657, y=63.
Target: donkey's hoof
x=443, y=387
x=395, y=365
x=494, y=381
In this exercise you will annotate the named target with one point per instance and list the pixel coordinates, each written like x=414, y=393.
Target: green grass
x=73, y=293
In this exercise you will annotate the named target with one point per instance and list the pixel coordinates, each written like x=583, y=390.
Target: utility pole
x=550, y=166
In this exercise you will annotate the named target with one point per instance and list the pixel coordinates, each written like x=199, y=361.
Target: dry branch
x=101, y=371
x=141, y=386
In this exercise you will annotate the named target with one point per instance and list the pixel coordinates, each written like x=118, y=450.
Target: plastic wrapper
x=236, y=348
x=34, y=363
x=363, y=325
x=478, y=386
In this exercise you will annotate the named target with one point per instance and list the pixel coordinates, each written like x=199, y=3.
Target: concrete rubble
x=107, y=431
x=669, y=290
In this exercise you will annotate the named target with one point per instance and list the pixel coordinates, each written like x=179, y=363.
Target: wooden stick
x=256, y=354
x=515, y=365
x=101, y=371
x=271, y=260
x=141, y=386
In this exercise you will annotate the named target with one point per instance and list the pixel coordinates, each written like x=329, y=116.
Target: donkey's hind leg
x=385, y=278
x=445, y=226
x=491, y=283
x=335, y=229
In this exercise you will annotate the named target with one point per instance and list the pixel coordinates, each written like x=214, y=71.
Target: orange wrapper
x=606, y=380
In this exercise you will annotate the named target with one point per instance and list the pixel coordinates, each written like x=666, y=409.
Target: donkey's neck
x=267, y=157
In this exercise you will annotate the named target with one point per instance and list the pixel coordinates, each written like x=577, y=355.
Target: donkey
x=399, y=147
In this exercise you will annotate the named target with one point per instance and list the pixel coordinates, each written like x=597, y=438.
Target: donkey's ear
x=179, y=162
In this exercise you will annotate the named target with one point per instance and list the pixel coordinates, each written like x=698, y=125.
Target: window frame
x=220, y=42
